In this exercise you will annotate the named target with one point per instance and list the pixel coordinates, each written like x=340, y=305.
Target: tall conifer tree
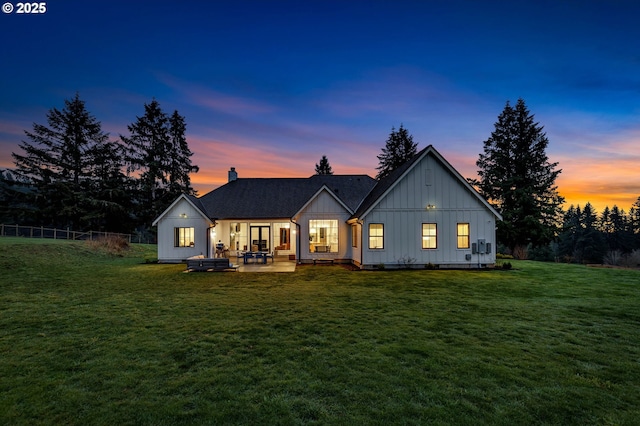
x=518, y=179
x=61, y=163
x=398, y=149
x=324, y=168
x=159, y=160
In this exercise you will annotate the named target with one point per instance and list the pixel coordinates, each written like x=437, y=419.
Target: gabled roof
x=331, y=194
x=195, y=202
x=258, y=198
x=386, y=184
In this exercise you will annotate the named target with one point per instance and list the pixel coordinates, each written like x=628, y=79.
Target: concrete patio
x=279, y=264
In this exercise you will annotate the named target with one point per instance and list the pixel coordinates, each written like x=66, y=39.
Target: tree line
x=517, y=178
x=70, y=174
x=611, y=237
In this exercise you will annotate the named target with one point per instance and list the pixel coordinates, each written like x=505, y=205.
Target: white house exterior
x=424, y=213
x=180, y=225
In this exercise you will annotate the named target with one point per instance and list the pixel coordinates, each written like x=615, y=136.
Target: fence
x=62, y=234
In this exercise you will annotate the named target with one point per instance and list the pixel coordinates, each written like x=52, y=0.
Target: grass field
x=91, y=338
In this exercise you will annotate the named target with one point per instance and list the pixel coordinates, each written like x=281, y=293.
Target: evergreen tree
x=590, y=244
x=60, y=165
x=398, y=150
x=620, y=236
x=14, y=199
x=159, y=160
x=111, y=190
x=568, y=237
x=323, y=168
x=580, y=240
x=634, y=223
x=179, y=161
x=518, y=179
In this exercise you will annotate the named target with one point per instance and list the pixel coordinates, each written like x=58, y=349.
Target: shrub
x=631, y=260
x=406, y=261
x=613, y=257
x=503, y=256
x=503, y=265
x=544, y=253
x=113, y=245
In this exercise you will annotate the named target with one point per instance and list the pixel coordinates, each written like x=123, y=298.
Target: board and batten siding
x=429, y=193
x=325, y=206
x=181, y=215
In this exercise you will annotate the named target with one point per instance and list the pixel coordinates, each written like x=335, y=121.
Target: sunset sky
x=269, y=87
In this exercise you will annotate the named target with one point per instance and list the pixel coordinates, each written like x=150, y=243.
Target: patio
x=279, y=264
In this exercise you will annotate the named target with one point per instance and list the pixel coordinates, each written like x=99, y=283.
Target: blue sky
x=270, y=86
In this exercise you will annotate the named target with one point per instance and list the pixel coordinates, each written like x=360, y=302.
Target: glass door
x=259, y=237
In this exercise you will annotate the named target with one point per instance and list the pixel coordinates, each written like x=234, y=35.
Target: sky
x=269, y=86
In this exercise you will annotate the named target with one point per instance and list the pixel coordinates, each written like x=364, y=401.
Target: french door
x=259, y=237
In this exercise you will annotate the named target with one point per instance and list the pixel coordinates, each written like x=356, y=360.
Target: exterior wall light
x=431, y=206
x=183, y=215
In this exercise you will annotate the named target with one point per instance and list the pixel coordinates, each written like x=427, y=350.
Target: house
x=423, y=213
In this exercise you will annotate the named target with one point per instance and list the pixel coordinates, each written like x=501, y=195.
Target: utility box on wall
x=481, y=247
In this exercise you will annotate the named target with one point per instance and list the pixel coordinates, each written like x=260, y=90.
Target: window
x=183, y=237
x=354, y=235
x=463, y=235
x=323, y=236
x=376, y=236
x=429, y=236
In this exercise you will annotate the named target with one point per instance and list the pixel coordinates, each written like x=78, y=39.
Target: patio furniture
x=205, y=265
x=246, y=256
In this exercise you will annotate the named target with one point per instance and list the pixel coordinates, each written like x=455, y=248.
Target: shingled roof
x=264, y=198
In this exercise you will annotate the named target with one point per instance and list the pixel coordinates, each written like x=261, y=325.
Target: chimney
x=233, y=175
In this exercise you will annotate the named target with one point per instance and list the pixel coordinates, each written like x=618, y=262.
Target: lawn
x=88, y=337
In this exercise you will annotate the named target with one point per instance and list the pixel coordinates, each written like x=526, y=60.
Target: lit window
x=429, y=236
x=376, y=235
x=323, y=236
x=463, y=235
x=354, y=235
x=183, y=237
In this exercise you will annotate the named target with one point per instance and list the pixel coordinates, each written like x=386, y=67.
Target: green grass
x=91, y=338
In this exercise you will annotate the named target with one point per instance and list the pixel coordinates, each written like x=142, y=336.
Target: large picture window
x=323, y=236
x=376, y=236
x=183, y=237
x=463, y=236
x=429, y=236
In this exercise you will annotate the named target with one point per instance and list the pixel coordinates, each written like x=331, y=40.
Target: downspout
x=209, y=238
x=361, y=222
x=297, y=239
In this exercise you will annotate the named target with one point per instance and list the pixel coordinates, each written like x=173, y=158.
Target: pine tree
x=159, y=160
x=398, y=150
x=518, y=179
x=179, y=161
x=568, y=237
x=580, y=240
x=59, y=163
x=323, y=168
x=590, y=243
x=148, y=148
x=634, y=223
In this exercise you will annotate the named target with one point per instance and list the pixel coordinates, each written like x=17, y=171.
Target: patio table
x=259, y=257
